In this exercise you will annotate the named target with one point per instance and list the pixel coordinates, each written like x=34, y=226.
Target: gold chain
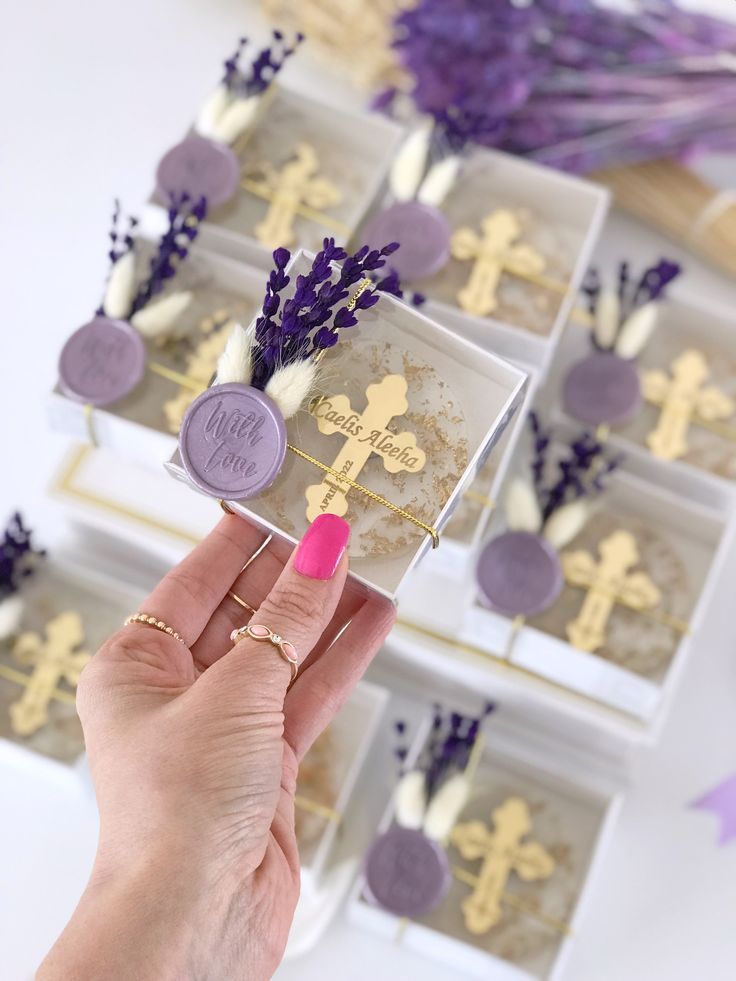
x=371, y=495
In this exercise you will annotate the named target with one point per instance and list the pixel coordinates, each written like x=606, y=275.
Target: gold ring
x=239, y=599
x=258, y=631
x=233, y=595
x=149, y=621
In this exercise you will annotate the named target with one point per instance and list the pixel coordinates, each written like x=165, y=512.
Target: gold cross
x=55, y=659
x=492, y=253
x=607, y=583
x=201, y=365
x=682, y=399
x=502, y=852
x=365, y=434
x=293, y=190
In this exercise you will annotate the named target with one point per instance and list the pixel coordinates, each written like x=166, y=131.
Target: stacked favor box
x=493, y=340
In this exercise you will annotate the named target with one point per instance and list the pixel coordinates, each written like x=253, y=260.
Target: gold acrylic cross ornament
x=607, y=582
x=683, y=399
x=366, y=434
x=502, y=851
x=201, y=366
x=54, y=659
x=294, y=190
x=493, y=253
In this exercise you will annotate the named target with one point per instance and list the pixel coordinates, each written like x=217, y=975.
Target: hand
x=194, y=750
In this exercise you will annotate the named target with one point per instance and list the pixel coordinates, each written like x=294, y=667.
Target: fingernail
x=321, y=549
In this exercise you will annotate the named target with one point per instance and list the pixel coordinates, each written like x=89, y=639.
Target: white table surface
x=93, y=93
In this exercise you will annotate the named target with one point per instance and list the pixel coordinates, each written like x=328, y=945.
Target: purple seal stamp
x=602, y=388
x=519, y=574
x=406, y=872
x=201, y=168
x=423, y=233
x=102, y=361
x=232, y=441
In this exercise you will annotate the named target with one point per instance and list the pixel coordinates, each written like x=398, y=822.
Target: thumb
x=254, y=676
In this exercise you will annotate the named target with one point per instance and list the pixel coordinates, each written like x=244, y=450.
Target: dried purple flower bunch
x=262, y=70
x=555, y=506
x=624, y=317
x=279, y=355
x=18, y=556
x=452, y=738
x=431, y=796
x=233, y=106
x=580, y=472
x=126, y=300
x=184, y=218
x=570, y=83
x=18, y=560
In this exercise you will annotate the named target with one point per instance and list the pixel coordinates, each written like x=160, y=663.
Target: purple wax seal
x=102, y=361
x=602, y=388
x=423, y=233
x=519, y=574
x=406, y=872
x=200, y=168
x=232, y=441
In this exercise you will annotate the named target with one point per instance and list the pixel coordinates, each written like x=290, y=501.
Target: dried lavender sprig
x=570, y=83
x=632, y=293
x=451, y=741
x=120, y=241
x=401, y=749
x=184, y=217
x=18, y=556
x=582, y=472
x=308, y=322
x=263, y=69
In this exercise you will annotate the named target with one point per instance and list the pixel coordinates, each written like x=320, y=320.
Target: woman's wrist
x=147, y=920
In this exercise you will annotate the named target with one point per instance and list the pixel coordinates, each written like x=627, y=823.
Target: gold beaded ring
x=149, y=621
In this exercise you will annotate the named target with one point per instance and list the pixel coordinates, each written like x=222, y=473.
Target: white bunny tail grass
x=235, y=363
x=636, y=331
x=607, y=319
x=159, y=317
x=410, y=800
x=211, y=111
x=522, y=507
x=236, y=118
x=445, y=807
x=120, y=288
x=291, y=385
x=439, y=181
x=566, y=522
x=408, y=167
x=11, y=610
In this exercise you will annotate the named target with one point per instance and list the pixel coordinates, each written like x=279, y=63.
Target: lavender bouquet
x=125, y=299
x=232, y=107
x=18, y=560
x=280, y=353
x=570, y=83
x=432, y=794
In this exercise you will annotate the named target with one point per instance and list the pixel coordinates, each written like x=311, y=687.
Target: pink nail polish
x=321, y=549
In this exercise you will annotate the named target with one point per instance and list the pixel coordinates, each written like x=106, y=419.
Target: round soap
x=200, y=168
x=602, y=388
x=102, y=361
x=232, y=441
x=423, y=233
x=406, y=872
x=519, y=574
